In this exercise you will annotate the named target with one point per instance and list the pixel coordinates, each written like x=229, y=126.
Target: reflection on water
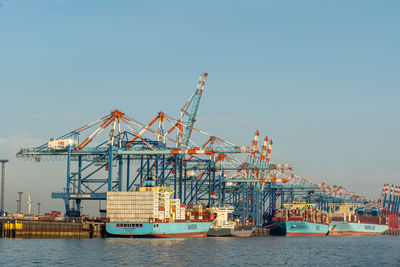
x=267, y=251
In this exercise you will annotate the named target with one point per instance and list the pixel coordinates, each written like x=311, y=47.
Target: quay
x=261, y=231
x=13, y=228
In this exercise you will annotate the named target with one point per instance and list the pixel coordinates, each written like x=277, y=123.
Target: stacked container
x=164, y=202
x=153, y=205
x=175, y=207
x=161, y=213
x=301, y=212
x=132, y=206
x=183, y=212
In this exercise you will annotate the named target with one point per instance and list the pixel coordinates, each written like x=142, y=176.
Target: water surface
x=252, y=251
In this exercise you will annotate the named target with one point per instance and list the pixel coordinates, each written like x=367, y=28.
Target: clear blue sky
x=321, y=78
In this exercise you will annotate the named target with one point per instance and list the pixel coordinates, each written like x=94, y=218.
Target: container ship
x=150, y=212
x=350, y=219
x=299, y=219
x=224, y=227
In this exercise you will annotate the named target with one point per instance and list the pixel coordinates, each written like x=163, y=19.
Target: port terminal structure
x=118, y=153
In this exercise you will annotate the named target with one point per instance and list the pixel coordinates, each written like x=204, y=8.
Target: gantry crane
x=117, y=152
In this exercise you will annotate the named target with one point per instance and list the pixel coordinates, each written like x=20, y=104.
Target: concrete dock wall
x=51, y=229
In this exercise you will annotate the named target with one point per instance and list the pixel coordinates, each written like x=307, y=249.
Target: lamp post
x=38, y=208
x=3, y=181
x=19, y=201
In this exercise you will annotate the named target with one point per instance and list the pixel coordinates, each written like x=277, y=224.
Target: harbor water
x=252, y=251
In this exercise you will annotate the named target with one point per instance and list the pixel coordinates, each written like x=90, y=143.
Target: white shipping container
x=128, y=206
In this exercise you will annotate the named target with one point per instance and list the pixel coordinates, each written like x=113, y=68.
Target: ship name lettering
x=192, y=226
x=369, y=227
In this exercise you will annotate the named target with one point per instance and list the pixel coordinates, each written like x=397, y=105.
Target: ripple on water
x=254, y=251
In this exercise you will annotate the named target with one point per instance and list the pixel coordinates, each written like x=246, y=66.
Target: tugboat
x=225, y=227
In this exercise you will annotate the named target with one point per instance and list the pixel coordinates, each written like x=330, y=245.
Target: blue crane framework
x=198, y=166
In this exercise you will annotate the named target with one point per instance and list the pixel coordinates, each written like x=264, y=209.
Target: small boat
x=224, y=227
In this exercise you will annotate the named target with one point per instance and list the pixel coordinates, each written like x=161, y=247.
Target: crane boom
x=189, y=110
